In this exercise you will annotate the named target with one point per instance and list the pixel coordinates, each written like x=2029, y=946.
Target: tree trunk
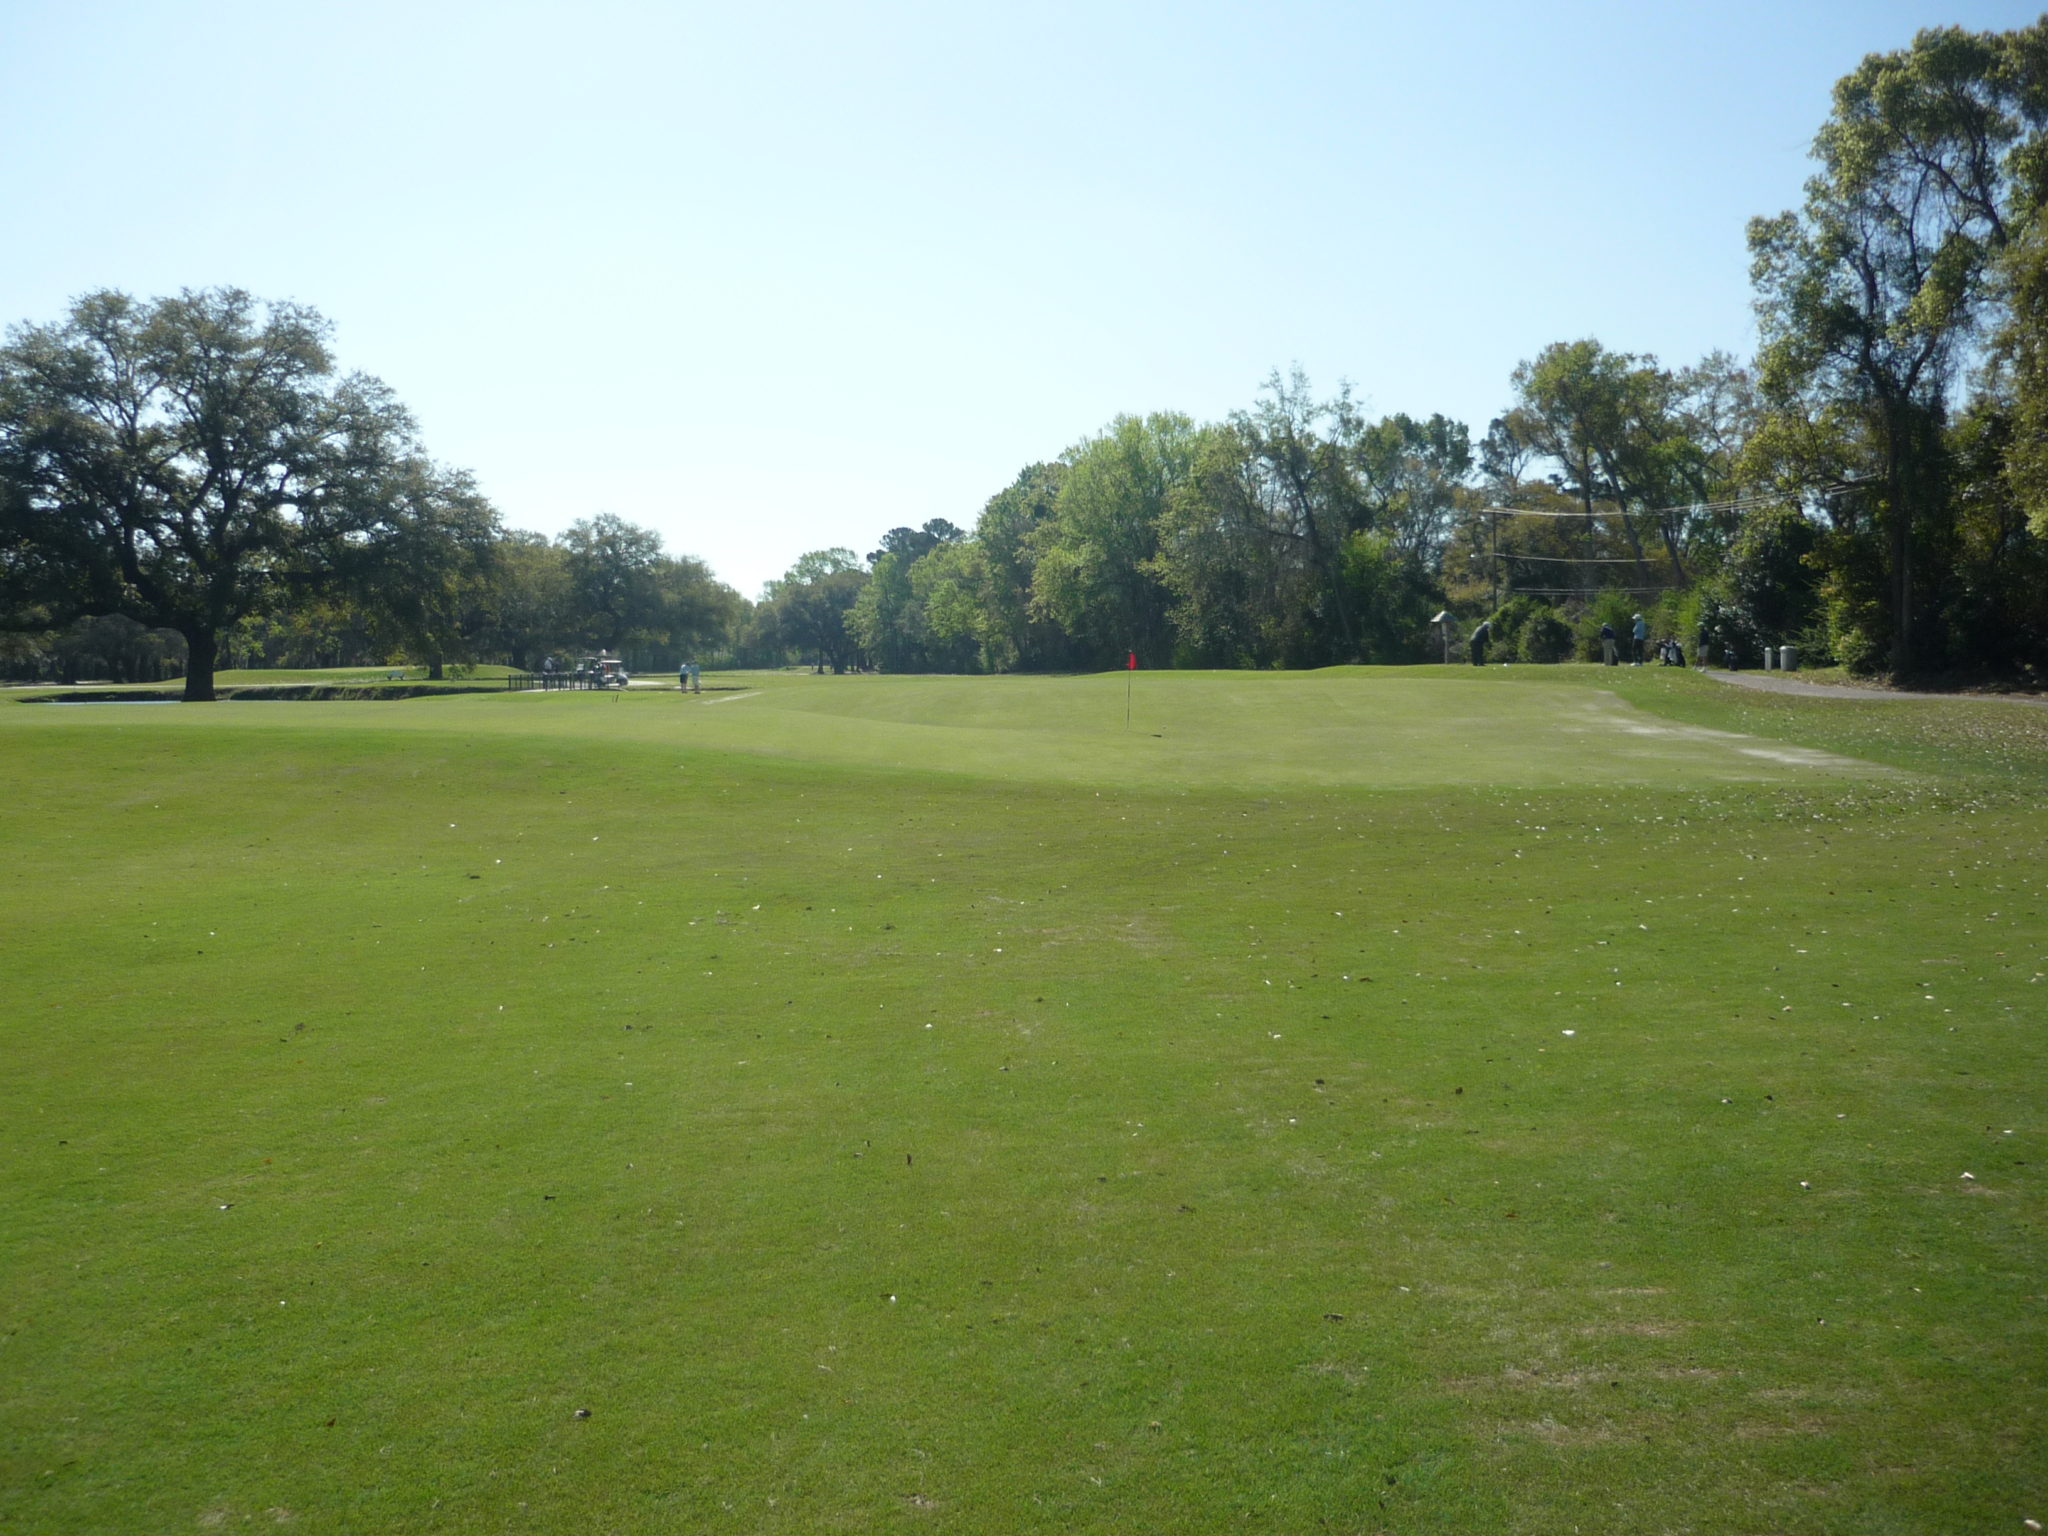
x=434, y=670
x=202, y=651
x=1900, y=541
x=1670, y=534
x=1635, y=545
x=1903, y=658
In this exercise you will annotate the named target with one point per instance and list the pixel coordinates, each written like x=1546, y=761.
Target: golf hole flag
x=1131, y=662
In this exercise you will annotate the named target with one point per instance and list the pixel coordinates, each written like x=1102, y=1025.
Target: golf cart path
x=1767, y=682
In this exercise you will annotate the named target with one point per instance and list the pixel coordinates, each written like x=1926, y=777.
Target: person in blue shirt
x=1640, y=634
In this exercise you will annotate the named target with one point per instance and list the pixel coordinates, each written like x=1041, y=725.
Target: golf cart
x=603, y=671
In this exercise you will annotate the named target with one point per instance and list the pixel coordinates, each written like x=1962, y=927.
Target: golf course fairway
x=1407, y=1100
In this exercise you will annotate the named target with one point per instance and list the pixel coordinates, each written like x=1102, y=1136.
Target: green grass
x=256, y=677
x=1412, y=727
x=1414, y=1101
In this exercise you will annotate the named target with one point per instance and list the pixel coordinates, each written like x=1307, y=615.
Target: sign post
x=1443, y=623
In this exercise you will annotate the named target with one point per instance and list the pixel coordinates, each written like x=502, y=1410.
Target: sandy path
x=1777, y=682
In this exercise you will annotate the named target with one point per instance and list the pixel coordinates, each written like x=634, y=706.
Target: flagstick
x=1127, y=701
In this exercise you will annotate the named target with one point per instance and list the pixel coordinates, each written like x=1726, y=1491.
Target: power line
x=1581, y=591
x=1505, y=554
x=1728, y=504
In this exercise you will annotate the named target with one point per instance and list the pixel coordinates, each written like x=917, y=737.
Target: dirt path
x=1777, y=682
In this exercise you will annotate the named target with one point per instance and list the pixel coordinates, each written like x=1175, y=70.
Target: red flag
x=1132, y=663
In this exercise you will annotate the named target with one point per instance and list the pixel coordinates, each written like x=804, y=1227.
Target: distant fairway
x=1420, y=1101
x=1385, y=728
x=1389, y=727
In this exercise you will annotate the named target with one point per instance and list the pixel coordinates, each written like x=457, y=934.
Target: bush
x=1528, y=629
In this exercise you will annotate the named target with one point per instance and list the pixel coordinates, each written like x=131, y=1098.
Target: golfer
x=1480, y=637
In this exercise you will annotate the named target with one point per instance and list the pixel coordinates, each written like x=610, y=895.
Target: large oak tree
x=190, y=461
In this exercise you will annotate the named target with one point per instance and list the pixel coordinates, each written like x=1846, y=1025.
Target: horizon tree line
x=190, y=482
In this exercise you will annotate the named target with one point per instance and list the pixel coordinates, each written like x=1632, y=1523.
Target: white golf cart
x=603, y=671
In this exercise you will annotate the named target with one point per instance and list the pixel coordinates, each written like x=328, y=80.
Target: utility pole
x=1493, y=558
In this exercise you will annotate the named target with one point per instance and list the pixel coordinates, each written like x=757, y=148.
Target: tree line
x=1873, y=487
x=191, y=478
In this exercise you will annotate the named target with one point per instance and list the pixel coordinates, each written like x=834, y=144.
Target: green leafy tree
x=1871, y=295
x=757, y=638
x=698, y=612
x=1304, y=535
x=529, y=599
x=1414, y=476
x=2021, y=353
x=187, y=462
x=1230, y=557
x=1094, y=576
x=888, y=620
x=992, y=577
x=808, y=607
x=1615, y=425
x=1300, y=461
x=613, y=586
x=1769, y=577
x=424, y=587
x=916, y=543
x=116, y=648
x=1993, y=580
x=943, y=584
x=1391, y=603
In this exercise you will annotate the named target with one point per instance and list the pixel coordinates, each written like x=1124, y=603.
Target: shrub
x=1529, y=629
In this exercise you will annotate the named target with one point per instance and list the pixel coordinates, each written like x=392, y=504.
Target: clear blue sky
x=774, y=277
